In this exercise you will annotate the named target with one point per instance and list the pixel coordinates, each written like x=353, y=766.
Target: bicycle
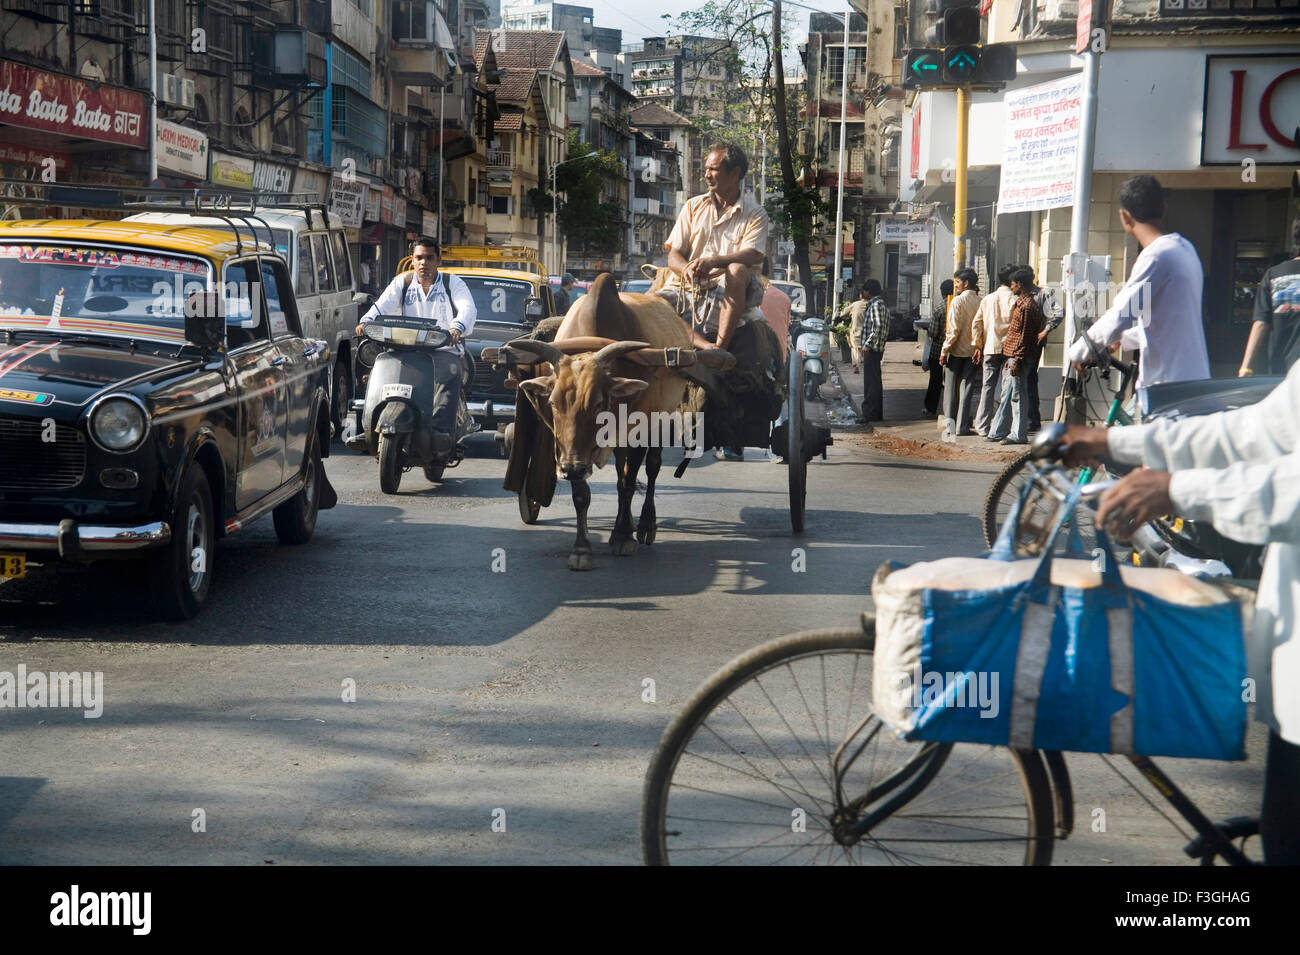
x=1011, y=480
x=779, y=758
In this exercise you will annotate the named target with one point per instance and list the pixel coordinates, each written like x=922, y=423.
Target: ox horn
x=543, y=350
x=616, y=350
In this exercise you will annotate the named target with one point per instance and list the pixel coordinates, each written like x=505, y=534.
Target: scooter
x=394, y=422
x=810, y=345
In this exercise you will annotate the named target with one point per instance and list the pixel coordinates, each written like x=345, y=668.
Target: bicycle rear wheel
x=746, y=774
x=1038, y=513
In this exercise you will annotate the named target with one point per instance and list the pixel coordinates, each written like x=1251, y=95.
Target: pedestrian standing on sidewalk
x=990, y=328
x=1053, y=315
x=875, y=333
x=1010, y=422
x=957, y=355
x=937, y=323
x=1277, y=316
x=857, y=312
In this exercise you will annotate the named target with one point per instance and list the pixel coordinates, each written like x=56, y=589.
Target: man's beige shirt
x=993, y=319
x=959, y=341
x=702, y=231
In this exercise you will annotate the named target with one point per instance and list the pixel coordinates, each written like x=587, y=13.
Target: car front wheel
x=181, y=575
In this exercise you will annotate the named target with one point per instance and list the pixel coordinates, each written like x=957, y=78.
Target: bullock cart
x=758, y=403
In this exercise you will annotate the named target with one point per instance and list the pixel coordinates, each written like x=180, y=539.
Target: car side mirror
x=534, y=309
x=205, y=323
x=360, y=298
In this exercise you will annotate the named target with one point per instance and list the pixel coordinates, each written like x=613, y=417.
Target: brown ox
x=580, y=387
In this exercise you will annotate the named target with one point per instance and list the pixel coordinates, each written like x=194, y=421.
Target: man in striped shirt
x=875, y=332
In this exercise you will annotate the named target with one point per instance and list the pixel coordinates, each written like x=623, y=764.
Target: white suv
x=320, y=262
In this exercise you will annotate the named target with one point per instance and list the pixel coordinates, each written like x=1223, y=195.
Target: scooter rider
x=430, y=294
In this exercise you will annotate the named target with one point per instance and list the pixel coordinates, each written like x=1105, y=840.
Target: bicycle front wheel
x=748, y=773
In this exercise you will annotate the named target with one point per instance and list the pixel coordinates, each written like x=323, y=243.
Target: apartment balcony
x=416, y=66
x=645, y=206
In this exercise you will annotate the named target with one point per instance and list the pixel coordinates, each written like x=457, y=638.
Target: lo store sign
x=1252, y=109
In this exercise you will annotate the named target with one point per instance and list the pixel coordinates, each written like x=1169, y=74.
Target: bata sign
x=1252, y=109
x=35, y=99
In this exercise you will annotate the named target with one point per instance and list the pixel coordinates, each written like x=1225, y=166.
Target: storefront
x=62, y=128
x=1211, y=124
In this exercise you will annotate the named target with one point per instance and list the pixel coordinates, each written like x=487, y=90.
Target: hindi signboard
x=1041, y=138
x=35, y=99
x=348, y=200
x=915, y=235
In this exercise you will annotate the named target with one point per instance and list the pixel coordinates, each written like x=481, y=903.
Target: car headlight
x=119, y=423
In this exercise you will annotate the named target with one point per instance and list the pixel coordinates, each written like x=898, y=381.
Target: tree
x=754, y=103
x=588, y=222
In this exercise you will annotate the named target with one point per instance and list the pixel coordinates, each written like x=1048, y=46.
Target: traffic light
x=958, y=23
x=922, y=68
x=959, y=64
x=997, y=64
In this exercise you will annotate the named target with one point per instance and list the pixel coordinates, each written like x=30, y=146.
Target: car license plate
x=396, y=391
x=13, y=565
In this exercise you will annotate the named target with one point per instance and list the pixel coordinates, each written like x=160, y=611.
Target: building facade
x=1206, y=99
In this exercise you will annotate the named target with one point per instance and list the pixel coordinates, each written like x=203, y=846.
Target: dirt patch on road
x=886, y=443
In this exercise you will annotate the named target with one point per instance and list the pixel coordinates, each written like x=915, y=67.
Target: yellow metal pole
x=959, y=189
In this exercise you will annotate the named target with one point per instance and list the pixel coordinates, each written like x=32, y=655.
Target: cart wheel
x=795, y=459
x=528, y=508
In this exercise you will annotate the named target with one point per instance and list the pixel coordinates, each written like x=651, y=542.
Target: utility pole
x=838, y=281
x=959, y=187
x=153, y=92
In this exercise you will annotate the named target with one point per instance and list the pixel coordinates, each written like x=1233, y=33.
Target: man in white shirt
x=427, y=293
x=1159, y=308
x=718, y=244
x=1240, y=471
x=990, y=328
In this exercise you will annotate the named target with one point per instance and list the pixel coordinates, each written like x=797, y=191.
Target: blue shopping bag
x=1109, y=668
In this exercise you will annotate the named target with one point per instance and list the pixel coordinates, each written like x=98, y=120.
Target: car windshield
x=636, y=285
x=499, y=300
x=798, y=297
x=575, y=291
x=132, y=293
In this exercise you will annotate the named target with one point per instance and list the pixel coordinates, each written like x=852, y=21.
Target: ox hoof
x=623, y=547
x=579, y=561
x=645, y=534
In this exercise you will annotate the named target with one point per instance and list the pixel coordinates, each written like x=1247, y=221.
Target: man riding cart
x=714, y=255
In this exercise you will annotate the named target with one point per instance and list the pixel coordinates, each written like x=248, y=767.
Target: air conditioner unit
x=187, y=92
x=168, y=88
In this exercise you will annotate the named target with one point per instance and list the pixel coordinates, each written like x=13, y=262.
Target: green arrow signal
x=969, y=62
x=925, y=66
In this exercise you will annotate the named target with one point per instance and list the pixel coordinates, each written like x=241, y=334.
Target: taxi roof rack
x=224, y=205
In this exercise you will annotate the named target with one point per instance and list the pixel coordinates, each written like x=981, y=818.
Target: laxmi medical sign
x=71, y=107
x=1040, y=139
x=182, y=150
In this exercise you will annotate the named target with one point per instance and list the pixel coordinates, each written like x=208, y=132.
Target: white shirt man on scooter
x=427, y=293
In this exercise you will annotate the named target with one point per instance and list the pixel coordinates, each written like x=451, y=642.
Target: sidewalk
x=906, y=431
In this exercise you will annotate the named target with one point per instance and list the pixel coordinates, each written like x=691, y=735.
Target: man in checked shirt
x=875, y=333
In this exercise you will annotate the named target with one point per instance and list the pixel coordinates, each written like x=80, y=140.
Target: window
x=280, y=307
x=365, y=7
x=900, y=38
x=411, y=20
x=341, y=262
x=324, y=270
x=240, y=290
x=305, y=282
x=499, y=205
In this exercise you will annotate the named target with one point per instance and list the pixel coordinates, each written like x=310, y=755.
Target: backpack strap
x=406, y=287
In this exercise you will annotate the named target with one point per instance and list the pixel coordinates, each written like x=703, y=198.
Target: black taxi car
x=156, y=394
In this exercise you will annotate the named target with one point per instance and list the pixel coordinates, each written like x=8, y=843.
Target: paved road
x=476, y=690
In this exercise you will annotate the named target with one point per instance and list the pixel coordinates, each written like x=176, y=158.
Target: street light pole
x=442, y=166
x=839, y=198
